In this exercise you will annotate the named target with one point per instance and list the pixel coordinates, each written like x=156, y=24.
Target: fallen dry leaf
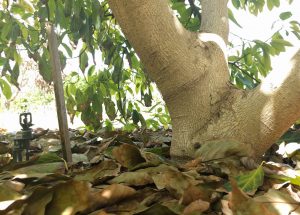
x=197, y=206
x=194, y=193
x=37, y=202
x=8, y=193
x=70, y=198
x=133, y=179
x=111, y=195
x=174, y=181
x=128, y=155
x=39, y=170
x=100, y=172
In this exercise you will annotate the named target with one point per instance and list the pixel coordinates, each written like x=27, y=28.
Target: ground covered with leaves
x=132, y=173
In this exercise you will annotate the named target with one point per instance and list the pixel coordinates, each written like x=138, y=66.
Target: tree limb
x=262, y=115
x=215, y=18
x=164, y=46
x=275, y=104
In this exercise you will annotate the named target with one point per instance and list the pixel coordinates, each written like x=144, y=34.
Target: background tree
x=182, y=47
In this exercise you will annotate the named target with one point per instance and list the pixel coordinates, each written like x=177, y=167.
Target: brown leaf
x=197, y=206
x=194, y=193
x=37, y=202
x=8, y=193
x=4, y=148
x=128, y=155
x=156, y=209
x=111, y=195
x=70, y=198
x=133, y=178
x=156, y=197
x=174, y=206
x=33, y=204
x=39, y=170
x=123, y=207
x=77, y=196
x=14, y=185
x=99, y=212
x=174, y=181
x=99, y=172
x=16, y=208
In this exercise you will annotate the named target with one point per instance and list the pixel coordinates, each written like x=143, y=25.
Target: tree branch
x=164, y=46
x=194, y=8
x=259, y=117
x=215, y=18
x=273, y=106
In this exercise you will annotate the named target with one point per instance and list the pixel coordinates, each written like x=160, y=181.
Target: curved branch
x=259, y=117
x=276, y=103
x=172, y=56
x=215, y=18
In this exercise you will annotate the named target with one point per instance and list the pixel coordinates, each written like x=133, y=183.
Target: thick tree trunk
x=191, y=72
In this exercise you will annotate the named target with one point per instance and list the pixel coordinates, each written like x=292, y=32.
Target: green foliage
x=254, y=60
x=119, y=90
x=5, y=88
x=250, y=181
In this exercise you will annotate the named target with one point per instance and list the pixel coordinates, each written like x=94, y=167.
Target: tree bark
x=191, y=72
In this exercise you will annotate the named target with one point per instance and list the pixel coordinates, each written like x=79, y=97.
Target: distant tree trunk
x=191, y=72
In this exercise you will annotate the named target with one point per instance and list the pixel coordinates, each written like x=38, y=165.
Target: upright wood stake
x=59, y=93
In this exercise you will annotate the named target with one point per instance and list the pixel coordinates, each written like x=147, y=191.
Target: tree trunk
x=210, y=118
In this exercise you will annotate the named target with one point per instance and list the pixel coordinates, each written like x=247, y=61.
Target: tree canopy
x=120, y=88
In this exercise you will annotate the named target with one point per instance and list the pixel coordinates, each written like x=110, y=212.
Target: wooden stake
x=59, y=93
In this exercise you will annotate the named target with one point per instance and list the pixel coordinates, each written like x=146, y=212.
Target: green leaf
x=117, y=72
x=67, y=48
x=63, y=60
x=285, y=15
x=267, y=61
x=97, y=105
x=15, y=75
x=110, y=109
x=142, y=120
x=49, y=157
x=2, y=61
x=83, y=61
x=24, y=31
x=135, y=117
x=270, y=4
x=250, y=181
x=68, y=7
x=279, y=44
x=276, y=3
x=52, y=8
x=236, y=3
x=5, y=88
x=34, y=36
x=45, y=68
x=15, y=32
x=148, y=100
x=294, y=181
x=80, y=97
x=26, y=6
x=17, y=9
x=5, y=30
x=232, y=18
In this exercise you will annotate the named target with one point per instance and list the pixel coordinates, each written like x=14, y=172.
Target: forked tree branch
x=173, y=56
